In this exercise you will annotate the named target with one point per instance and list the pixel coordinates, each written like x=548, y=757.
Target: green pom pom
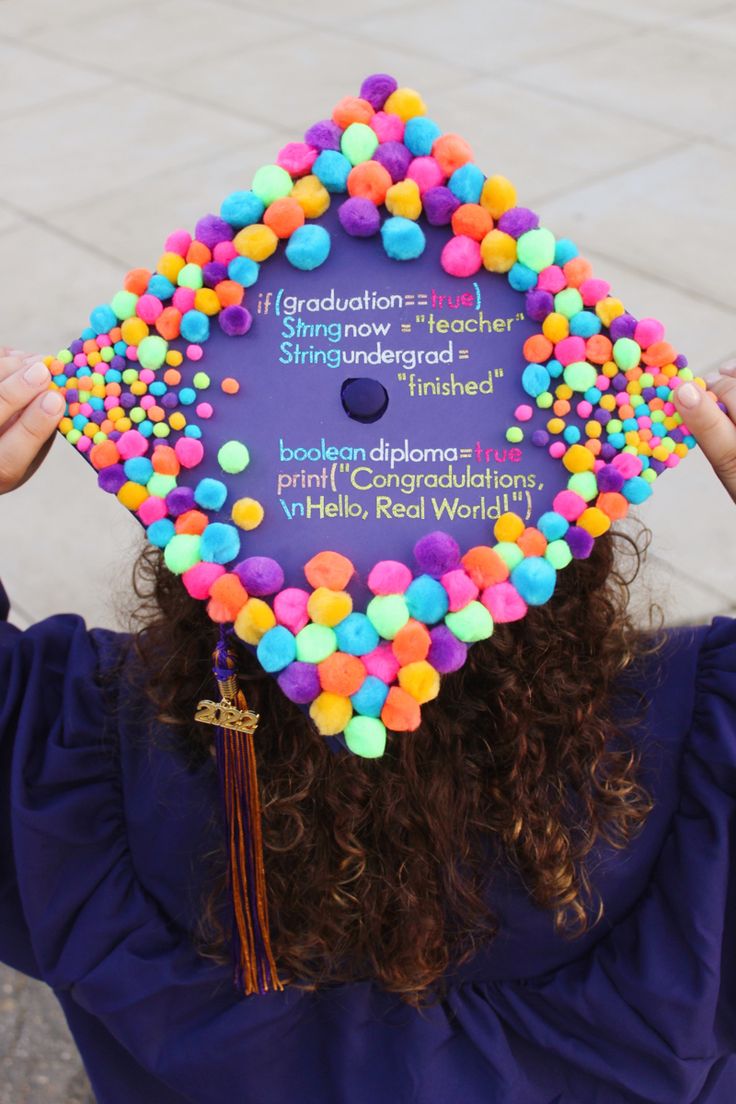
x=160, y=484
x=190, y=276
x=366, y=736
x=558, y=554
x=387, y=614
x=514, y=434
x=124, y=306
x=626, y=353
x=359, y=143
x=536, y=249
x=315, y=643
x=472, y=623
x=152, y=352
x=569, y=302
x=233, y=457
x=509, y=552
x=580, y=375
x=585, y=484
x=182, y=552
x=271, y=182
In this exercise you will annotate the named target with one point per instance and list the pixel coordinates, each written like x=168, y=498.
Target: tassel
x=254, y=964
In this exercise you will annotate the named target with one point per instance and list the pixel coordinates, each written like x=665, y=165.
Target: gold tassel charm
x=254, y=965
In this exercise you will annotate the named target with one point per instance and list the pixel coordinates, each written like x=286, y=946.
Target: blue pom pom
x=219, y=543
x=636, y=489
x=356, y=635
x=187, y=396
x=160, y=532
x=426, y=599
x=571, y=434
x=308, y=247
x=534, y=578
x=522, y=278
x=554, y=368
x=467, y=183
x=371, y=696
x=88, y=333
x=241, y=209
x=139, y=469
x=120, y=347
x=552, y=526
x=585, y=324
x=145, y=427
x=276, y=649
x=103, y=318
x=402, y=238
x=210, y=494
x=244, y=270
x=420, y=134
x=592, y=395
x=160, y=286
x=192, y=431
x=195, y=326
x=332, y=169
x=565, y=250
x=535, y=379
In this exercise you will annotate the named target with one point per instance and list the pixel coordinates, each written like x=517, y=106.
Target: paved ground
x=119, y=122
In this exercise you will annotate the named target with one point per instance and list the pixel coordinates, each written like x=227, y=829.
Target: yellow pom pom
x=498, y=195
x=174, y=358
x=406, y=103
x=254, y=619
x=578, y=459
x=594, y=521
x=330, y=713
x=509, y=527
x=133, y=330
x=329, y=607
x=177, y=420
x=555, y=327
x=404, y=199
x=311, y=195
x=170, y=265
x=421, y=680
x=206, y=301
x=555, y=425
x=498, y=251
x=132, y=495
x=562, y=391
x=257, y=242
x=608, y=309
x=247, y=513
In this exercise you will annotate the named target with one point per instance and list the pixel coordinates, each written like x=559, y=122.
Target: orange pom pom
x=284, y=216
x=230, y=293
x=104, y=454
x=577, y=271
x=192, y=521
x=165, y=461
x=168, y=323
x=411, y=643
x=659, y=354
x=227, y=598
x=472, y=220
x=451, y=151
x=137, y=280
x=532, y=542
x=538, y=348
x=369, y=180
x=198, y=253
x=613, y=504
x=401, y=712
x=484, y=566
x=341, y=674
x=352, y=109
x=329, y=569
x=598, y=349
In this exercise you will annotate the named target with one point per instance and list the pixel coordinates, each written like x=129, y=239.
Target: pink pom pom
x=178, y=242
x=557, y=449
x=461, y=256
x=382, y=663
x=183, y=299
x=194, y=352
x=388, y=127
x=84, y=444
x=199, y=579
x=148, y=308
x=426, y=173
x=224, y=252
x=146, y=376
x=132, y=443
x=592, y=291
x=189, y=451
x=504, y=602
x=584, y=409
x=628, y=464
x=389, y=577
x=648, y=332
x=523, y=413
x=290, y=608
x=570, y=350
x=569, y=504
x=460, y=589
x=297, y=158
x=153, y=509
x=552, y=279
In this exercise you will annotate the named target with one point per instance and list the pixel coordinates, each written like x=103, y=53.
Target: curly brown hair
x=380, y=868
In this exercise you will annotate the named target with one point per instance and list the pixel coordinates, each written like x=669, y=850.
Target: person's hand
x=29, y=414
x=714, y=429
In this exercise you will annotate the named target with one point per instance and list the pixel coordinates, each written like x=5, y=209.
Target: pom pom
x=254, y=620
x=332, y=170
x=233, y=457
x=271, y=182
x=484, y=566
x=406, y=103
x=426, y=599
x=580, y=542
x=132, y=443
x=329, y=569
x=420, y=680
x=369, y=699
x=359, y=142
x=498, y=251
x=460, y=589
x=467, y=183
x=198, y=580
x=219, y=543
x=517, y=221
x=308, y=247
x=350, y=110
x=276, y=649
x=389, y=128
x=242, y=209
x=324, y=135
x=389, y=577
x=498, y=195
x=290, y=608
x=330, y=713
x=426, y=172
x=388, y=613
x=212, y=229
x=284, y=216
x=312, y=196
x=178, y=242
x=437, y=553
x=473, y=221
x=402, y=239
x=552, y=525
x=359, y=217
x=366, y=737
x=376, y=89
x=179, y=501
x=258, y=242
x=439, y=205
x=461, y=256
x=296, y=158
x=227, y=598
x=329, y=607
x=381, y=663
x=243, y=270
x=451, y=152
x=395, y=158
x=403, y=200
x=195, y=326
x=182, y=553
x=261, y=576
x=420, y=134
x=472, y=623
x=300, y=682
x=370, y=181
x=314, y=643
x=401, y=711
x=160, y=532
x=446, y=653
x=356, y=635
x=578, y=459
x=189, y=451
x=247, y=513
x=504, y=603
x=536, y=249
x=411, y=642
x=341, y=674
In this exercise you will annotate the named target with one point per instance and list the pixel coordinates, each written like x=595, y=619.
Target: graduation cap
x=370, y=408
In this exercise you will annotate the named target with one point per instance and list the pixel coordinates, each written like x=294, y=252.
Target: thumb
x=712, y=429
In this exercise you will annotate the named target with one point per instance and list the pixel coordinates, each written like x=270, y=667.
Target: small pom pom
x=314, y=643
x=233, y=457
x=420, y=135
x=329, y=569
x=341, y=674
x=460, y=589
x=498, y=251
x=411, y=643
x=260, y=575
x=227, y=598
x=402, y=239
x=534, y=578
x=355, y=635
x=376, y=89
x=359, y=217
x=366, y=736
x=369, y=180
x=219, y=543
x=284, y=216
x=271, y=182
x=484, y=566
x=504, y=603
x=235, y=321
x=189, y=451
x=324, y=135
x=437, y=553
x=330, y=713
x=212, y=229
x=472, y=220
x=329, y=607
x=452, y=152
x=182, y=553
x=395, y=158
x=210, y=494
x=401, y=712
x=257, y=242
x=403, y=199
x=426, y=172
x=332, y=170
x=350, y=110
x=359, y=142
x=420, y=680
x=254, y=620
x=308, y=247
x=290, y=608
x=389, y=577
x=498, y=195
x=406, y=103
x=276, y=649
x=426, y=599
x=471, y=624
x=311, y=195
x=467, y=183
x=461, y=256
x=388, y=613
x=439, y=205
x=247, y=513
x=296, y=158
x=446, y=653
x=300, y=682
x=198, y=580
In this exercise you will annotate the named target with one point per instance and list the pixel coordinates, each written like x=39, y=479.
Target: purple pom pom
x=603, y=416
x=169, y=400
x=540, y=437
x=439, y=205
x=619, y=382
x=235, y=321
x=609, y=478
x=213, y=273
x=212, y=229
x=395, y=158
x=681, y=362
x=72, y=395
x=608, y=452
x=517, y=221
x=112, y=478
x=377, y=88
x=179, y=501
x=359, y=217
x=437, y=553
x=539, y=304
x=324, y=135
x=623, y=326
x=77, y=346
x=446, y=652
x=580, y=541
x=260, y=575
x=657, y=465
x=126, y=400
x=300, y=682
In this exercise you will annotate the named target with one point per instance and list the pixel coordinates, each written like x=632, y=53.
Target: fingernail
x=53, y=403
x=689, y=395
x=37, y=373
